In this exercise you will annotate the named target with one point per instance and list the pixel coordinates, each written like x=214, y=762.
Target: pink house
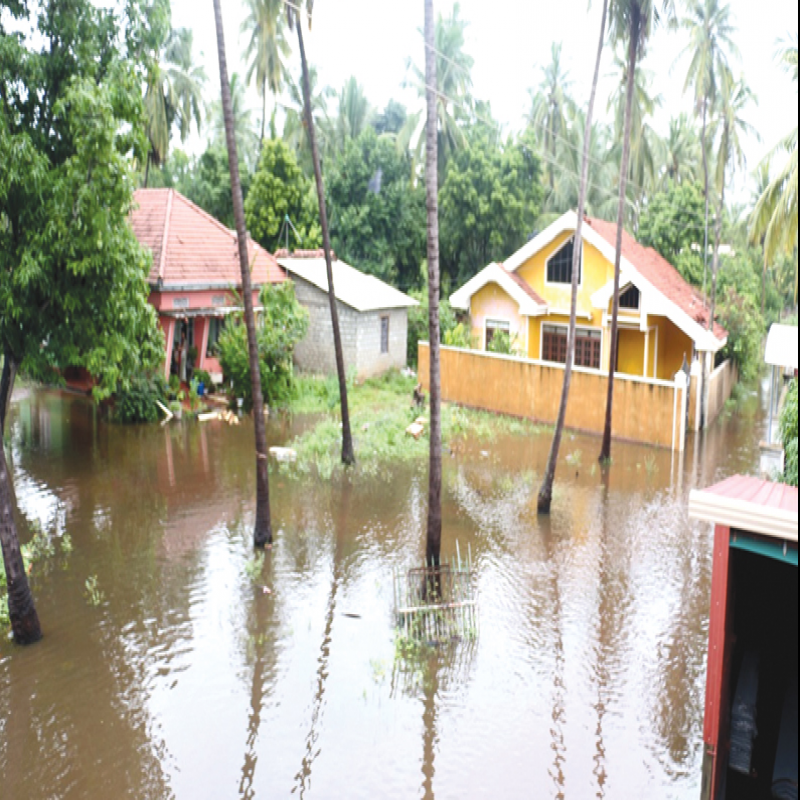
x=195, y=281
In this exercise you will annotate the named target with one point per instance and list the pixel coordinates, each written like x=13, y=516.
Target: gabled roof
x=660, y=273
x=530, y=304
x=749, y=504
x=353, y=288
x=192, y=249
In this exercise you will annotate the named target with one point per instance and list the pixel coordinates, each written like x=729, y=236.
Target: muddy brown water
x=586, y=679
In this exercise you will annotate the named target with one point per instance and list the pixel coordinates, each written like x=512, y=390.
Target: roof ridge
x=162, y=261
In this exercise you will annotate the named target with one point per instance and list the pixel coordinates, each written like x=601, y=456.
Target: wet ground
x=187, y=681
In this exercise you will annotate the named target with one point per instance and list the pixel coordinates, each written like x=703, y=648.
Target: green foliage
x=282, y=324
x=381, y=410
x=672, y=224
x=279, y=189
x=460, y=336
x=204, y=377
x=740, y=315
x=489, y=203
x=137, y=401
x=94, y=595
x=504, y=344
x=377, y=218
x=418, y=326
x=72, y=274
x=254, y=568
x=789, y=434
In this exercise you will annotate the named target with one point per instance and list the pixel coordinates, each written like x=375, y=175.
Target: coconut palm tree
x=775, y=215
x=262, y=535
x=680, y=152
x=453, y=67
x=551, y=105
x=631, y=22
x=173, y=95
x=267, y=49
x=545, y=498
x=354, y=113
x=295, y=132
x=348, y=452
x=243, y=127
x=433, y=547
x=710, y=27
x=734, y=98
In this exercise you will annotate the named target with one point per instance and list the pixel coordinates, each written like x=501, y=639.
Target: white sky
x=510, y=40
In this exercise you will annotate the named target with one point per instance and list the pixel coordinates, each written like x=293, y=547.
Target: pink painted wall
x=165, y=300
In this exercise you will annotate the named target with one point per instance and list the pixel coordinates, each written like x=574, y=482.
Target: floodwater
x=586, y=679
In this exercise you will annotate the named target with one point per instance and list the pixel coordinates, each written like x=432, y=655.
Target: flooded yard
x=185, y=679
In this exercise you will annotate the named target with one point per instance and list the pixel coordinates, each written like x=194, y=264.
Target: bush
x=740, y=315
x=418, y=323
x=789, y=434
x=283, y=323
x=503, y=344
x=137, y=402
x=460, y=336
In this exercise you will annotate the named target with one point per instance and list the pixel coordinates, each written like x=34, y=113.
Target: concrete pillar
x=168, y=326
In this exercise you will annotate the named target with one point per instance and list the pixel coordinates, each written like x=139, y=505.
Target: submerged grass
x=381, y=410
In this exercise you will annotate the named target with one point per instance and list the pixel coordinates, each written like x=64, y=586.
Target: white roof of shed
x=354, y=288
x=782, y=346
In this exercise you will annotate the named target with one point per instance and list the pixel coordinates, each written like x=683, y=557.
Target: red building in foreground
x=750, y=728
x=195, y=281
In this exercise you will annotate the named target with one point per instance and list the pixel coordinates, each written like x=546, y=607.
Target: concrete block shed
x=373, y=317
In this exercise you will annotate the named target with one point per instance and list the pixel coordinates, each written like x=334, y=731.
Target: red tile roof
x=758, y=492
x=525, y=288
x=660, y=273
x=190, y=247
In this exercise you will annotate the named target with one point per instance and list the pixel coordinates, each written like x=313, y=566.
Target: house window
x=588, y=344
x=559, y=267
x=384, y=335
x=630, y=299
x=215, y=327
x=493, y=327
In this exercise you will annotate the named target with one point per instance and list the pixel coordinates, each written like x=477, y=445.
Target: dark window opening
x=384, y=335
x=630, y=299
x=559, y=267
x=588, y=345
x=215, y=327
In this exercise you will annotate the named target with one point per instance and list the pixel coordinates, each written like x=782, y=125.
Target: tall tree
x=775, y=215
x=453, y=67
x=710, y=27
x=262, y=535
x=243, y=126
x=433, y=549
x=173, y=95
x=545, y=498
x=267, y=49
x=632, y=23
x=680, y=153
x=295, y=131
x=348, y=452
x=354, y=113
x=551, y=105
x=734, y=96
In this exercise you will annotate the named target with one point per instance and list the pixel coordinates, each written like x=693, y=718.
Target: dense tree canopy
x=377, y=219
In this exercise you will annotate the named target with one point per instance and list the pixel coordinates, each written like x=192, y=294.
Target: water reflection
x=189, y=681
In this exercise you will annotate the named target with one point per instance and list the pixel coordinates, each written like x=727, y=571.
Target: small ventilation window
x=631, y=299
x=559, y=267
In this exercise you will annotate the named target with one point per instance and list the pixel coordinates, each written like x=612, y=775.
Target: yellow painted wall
x=631, y=352
x=643, y=410
x=672, y=344
x=492, y=302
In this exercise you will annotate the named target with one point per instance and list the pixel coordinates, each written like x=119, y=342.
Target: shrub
x=283, y=323
x=503, y=344
x=460, y=336
x=740, y=315
x=201, y=376
x=137, y=402
x=789, y=434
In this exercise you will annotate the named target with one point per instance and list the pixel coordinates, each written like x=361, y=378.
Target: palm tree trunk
x=262, y=534
x=705, y=193
x=348, y=453
x=147, y=169
x=546, y=492
x=433, y=548
x=715, y=264
x=764, y=285
x=21, y=609
x=605, y=450
x=263, y=114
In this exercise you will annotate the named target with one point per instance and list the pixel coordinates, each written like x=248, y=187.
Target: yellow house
x=662, y=319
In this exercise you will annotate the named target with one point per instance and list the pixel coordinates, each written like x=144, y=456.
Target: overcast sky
x=510, y=41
